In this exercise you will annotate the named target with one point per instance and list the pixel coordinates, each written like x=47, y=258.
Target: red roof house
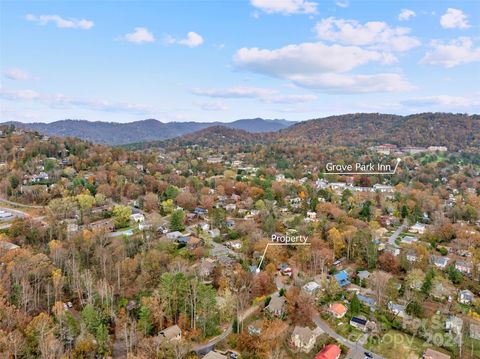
x=330, y=351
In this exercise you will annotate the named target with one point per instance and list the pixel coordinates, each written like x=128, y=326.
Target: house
x=203, y=226
x=279, y=177
x=433, y=354
x=463, y=266
x=285, y=269
x=234, y=244
x=144, y=226
x=137, y=217
x=409, y=240
x=338, y=310
x=397, y=309
x=321, y=183
x=312, y=215
x=214, y=232
x=383, y=188
x=465, y=297
x=412, y=256
x=183, y=239
x=369, y=302
x=454, y=325
x=199, y=211
x=359, y=323
x=330, y=351
x=212, y=159
x=231, y=207
x=276, y=305
x=311, y=287
x=418, y=228
x=174, y=235
x=215, y=355
x=363, y=275
x=171, y=333
x=8, y=246
x=394, y=250
x=230, y=223
x=342, y=278
x=295, y=202
x=5, y=215
x=255, y=328
x=303, y=338
x=439, y=262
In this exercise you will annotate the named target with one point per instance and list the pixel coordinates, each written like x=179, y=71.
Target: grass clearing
x=394, y=344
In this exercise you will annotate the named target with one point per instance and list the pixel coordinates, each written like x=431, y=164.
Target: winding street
x=356, y=350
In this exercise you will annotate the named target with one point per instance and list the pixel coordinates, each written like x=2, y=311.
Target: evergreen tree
x=176, y=220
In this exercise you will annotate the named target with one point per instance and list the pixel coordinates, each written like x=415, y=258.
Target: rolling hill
x=455, y=131
x=112, y=133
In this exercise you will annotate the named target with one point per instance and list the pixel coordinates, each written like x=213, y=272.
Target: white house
x=465, y=296
x=440, y=262
x=137, y=217
x=303, y=338
x=171, y=333
x=311, y=287
x=418, y=228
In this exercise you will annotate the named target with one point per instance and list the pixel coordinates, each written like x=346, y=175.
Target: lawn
x=343, y=327
x=472, y=347
x=395, y=344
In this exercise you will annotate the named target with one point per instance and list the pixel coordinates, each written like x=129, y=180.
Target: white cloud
x=457, y=51
x=213, y=106
x=192, y=40
x=375, y=34
x=17, y=74
x=454, y=19
x=140, y=35
x=342, y=3
x=19, y=94
x=442, y=101
x=406, y=14
x=262, y=94
x=63, y=101
x=322, y=67
x=62, y=23
x=233, y=92
x=305, y=58
x=332, y=82
x=286, y=7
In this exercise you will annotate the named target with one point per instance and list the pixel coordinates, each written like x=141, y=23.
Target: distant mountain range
x=456, y=131
x=112, y=133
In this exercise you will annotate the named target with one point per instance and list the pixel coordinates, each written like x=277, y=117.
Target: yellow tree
x=336, y=240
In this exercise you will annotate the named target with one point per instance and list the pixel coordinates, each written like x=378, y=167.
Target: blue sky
x=225, y=60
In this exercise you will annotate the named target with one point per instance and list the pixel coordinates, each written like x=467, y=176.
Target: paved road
x=395, y=235
x=19, y=204
x=6, y=223
x=356, y=349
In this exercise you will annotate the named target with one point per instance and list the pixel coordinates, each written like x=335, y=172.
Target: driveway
x=356, y=349
x=395, y=235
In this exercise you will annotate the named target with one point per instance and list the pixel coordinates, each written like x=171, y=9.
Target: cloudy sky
x=222, y=61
